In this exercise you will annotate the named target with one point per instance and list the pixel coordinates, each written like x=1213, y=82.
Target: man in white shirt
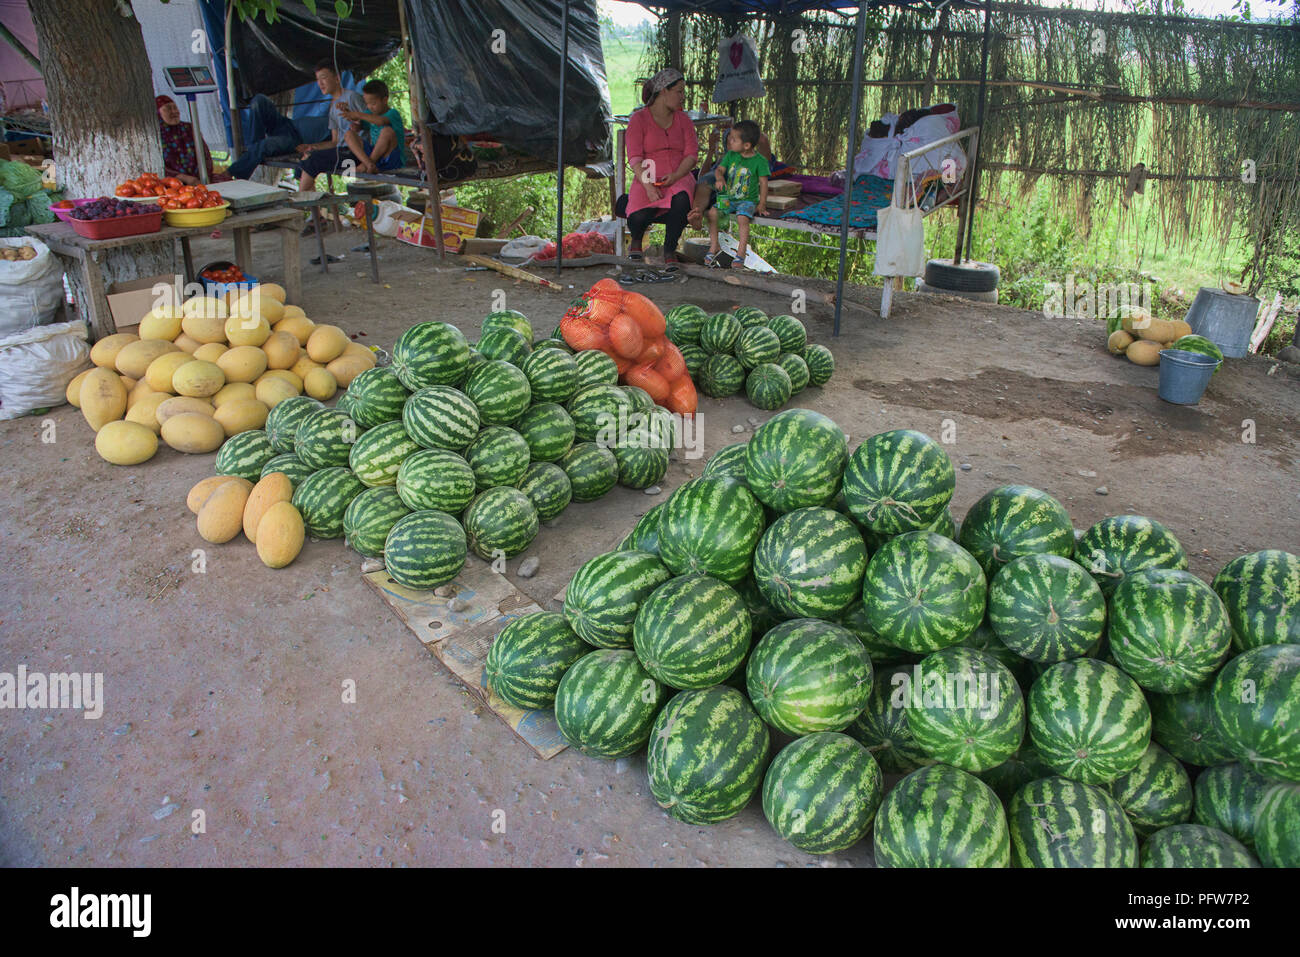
x=344, y=143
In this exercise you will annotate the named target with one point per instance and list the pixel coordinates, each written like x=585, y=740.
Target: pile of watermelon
x=458, y=447
x=1049, y=701
x=769, y=358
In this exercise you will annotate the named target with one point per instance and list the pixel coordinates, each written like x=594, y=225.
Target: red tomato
x=172, y=182
x=193, y=204
x=126, y=189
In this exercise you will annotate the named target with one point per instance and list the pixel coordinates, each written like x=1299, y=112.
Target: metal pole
x=236, y=129
x=973, y=197
x=559, y=149
x=861, y=42
x=198, y=138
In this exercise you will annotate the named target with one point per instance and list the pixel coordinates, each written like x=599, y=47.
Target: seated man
x=385, y=137
x=270, y=134
x=329, y=156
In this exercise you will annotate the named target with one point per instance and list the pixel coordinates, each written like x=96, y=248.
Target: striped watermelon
x=640, y=398
x=499, y=456
x=592, y=471
x=324, y=439
x=645, y=534
x=694, y=356
x=684, y=324
x=529, y=657
x=749, y=316
x=548, y=488
x=369, y=519
x=595, y=368
x=508, y=319
x=790, y=332
x=1261, y=592
x=1227, y=796
x=430, y=353
x=985, y=639
x=642, y=459
x=476, y=359
x=728, y=460
x=710, y=525
x=1184, y=725
x=854, y=618
x=1277, y=826
x=1168, y=629
x=289, y=465
x=1057, y=822
x=882, y=726
x=500, y=391
x=809, y=563
x=821, y=364
x=719, y=333
x=548, y=430
x=1016, y=520
x=1257, y=709
x=377, y=454
x=756, y=346
x=964, y=708
x=808, y=675
x=1194, y=845
x=691, y=631
x=555, y=343
x=721, y=375
x=796, y=369
x=1199, y=344
x=504, y=344
x=244, y=454
x=284, y=418
x=1155, y=794
x=606, y=703
x=323, y=498
x=821, y=792
x=500, y=521
x=1124, y=544
x=1015, y=772
x=597, y=410
x=708, y=750
x=378, y=396
x=425, y=549
x=923, y=592
x=898, y=481
x=939, y=816
x=768, y=386
x=343, y=404
x=440, y=417
x=436, y=479
x=796, y=459
x=1088, y=720
x=552, y=375
x=762, y=616
x=1046, y=608
x=602, y=599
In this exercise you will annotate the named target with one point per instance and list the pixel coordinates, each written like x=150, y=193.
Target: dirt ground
x=223, y=689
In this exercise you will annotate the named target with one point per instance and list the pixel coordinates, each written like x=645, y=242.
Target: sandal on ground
x=635, y=254
x=738, y=264
x=711, y=260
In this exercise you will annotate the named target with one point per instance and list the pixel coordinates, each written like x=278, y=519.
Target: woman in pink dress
x=662, y=150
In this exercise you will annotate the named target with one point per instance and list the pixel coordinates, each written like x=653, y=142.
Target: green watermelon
x=762, y=616
x=378, y=396
x=965, y=709
x=710, y=525
x=1277, y=826
x=500, y=521
x=1194, y=845
x=749, y=316
x=440, y=417
x=1201, y=345
x=606, y=703
x=821, y=364
x=1168, y=629
x=640, y=398
x=1227, y=796
x=790, y=332
x=1155, y=794
x=435, y=479
x=1124, y=544
x=1089, y=720
x=719, y=333
x=985, y=639
x=882, y=726
x=323, y=498
x=369, y=518
x=721, y=375
x=548, y=488
x=898, y=481
x=289, y=465
x=809, y=563
x=1016, y=520
x=708, y=750
x=854, y=618
x=645, y=534
x=796, y=369
x=602, y=599
x=691, y=631
x=377, y=454
x=592, y=471
x=684, y=323
x=808, y=675
x=343, y=404
x=923, y=592
x=476, y=359
x=939, y=816
x=757, y=345
x=1257, y=709
x=425, y=549
x=597, y=411
x=500, y=391
x=554, y=342
x=499, y=456
x=244, y=453
x=430, y=353
x=1261, y=592
x=768, y=386
x=508, y=319
x=1015, y=772
x=1057, y=822
x=552, y=375
x=821, y=792
x=548, y=430
x=796, y=459
x=529, y=657
x=324, y=439
x=284, y=418
x=694, y=356
x=595, y=368
x=642, y=459
x=1184, y=725
x=504, y=344
x=728, y=460
x=1046, y=608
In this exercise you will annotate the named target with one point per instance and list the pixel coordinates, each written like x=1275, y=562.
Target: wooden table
x=64, y=241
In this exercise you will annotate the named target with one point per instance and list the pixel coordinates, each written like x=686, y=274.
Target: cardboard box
x=458, y=224
x=30, y=147
x=783, y=187
x=129, y=301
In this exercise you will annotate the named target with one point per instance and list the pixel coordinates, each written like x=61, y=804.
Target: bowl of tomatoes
x=223, y=277
x=183, y=205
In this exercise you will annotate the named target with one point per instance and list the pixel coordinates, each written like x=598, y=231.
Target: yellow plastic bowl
x=196, y=217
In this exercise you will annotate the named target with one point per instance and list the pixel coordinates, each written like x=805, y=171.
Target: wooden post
x=936, y=45
x=420, y=116
x=675, y=40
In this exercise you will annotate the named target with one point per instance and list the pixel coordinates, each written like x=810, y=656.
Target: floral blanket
x=870, y=193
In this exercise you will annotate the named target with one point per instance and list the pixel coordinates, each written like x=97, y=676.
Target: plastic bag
x=37, y=365
x=385, y=223
x=31, y=290
x=523, y=247
x=738, y=77
x=900, y=241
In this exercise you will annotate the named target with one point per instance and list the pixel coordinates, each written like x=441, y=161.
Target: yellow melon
x=193, y=433
x=242, y=363
x=1118, y=341
x=280, y=535
x=73, y=391
x=159, y=374
x=326, y=343
x=104, y=352
x=320, y=384
x=233, y=392
x=181, y=404
x=144, y=411
x=187, y=343
x=126, y=443
x=287, y=376
x=163, y=322
x=1181, y=328
x=142, y=389
x=208, y=306
x=274, y=487
x=222, y=515
x=103, y=398
x=1145, y=352
x=210, y=352
x=347, y=368
x=198, y=379
x=303, y=366
x=300, y=327
x=273, y=290
x=272, y=391
x=205, y=328
x=247, y=330
x=242, y=415
x=294, y=312
x=282, y=350
x=134, y=358
x=200, y=492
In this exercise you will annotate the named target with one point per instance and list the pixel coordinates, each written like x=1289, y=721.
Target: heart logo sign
x=737, y=51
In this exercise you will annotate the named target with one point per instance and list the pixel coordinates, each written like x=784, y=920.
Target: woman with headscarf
x=179, y=159
x=662, y=149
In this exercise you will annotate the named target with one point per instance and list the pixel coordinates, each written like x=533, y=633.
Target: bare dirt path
x=224, y=689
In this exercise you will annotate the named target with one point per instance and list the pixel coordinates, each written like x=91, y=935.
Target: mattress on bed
x=870, y=193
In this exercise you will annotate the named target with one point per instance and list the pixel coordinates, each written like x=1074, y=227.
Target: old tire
x=970, y=276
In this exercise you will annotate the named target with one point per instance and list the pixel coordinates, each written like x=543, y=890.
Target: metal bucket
x=1224, y=319
x=1184, y=375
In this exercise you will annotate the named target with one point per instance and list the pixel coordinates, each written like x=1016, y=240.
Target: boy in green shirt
x=741, y=181
x=385, y=135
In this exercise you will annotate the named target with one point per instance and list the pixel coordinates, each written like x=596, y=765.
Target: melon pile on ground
x=452, y=448
x=212, y=368
x=768, y=358
x=1140, y=337
x=802, y=619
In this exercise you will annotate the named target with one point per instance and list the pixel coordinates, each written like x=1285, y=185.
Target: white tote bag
x=738, y=77
x=900, y=240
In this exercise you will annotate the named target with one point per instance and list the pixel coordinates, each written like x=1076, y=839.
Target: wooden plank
x=511, y=271
x=64, y=236
x=96, y=313
x=292, y=257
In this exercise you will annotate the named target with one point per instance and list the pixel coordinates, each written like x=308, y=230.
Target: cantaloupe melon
x=1118, y=341
x=135, y=357
x=282, y=350
x=187, y=343
x=300, y=327
x=303, y=366
x=200, y=492
x=1183, y=329
x=163, y=322
x=73, y=392
x=273, y=290
x=280, y=535
x=145, y=411
x=126, y=443
x=326, y=343
x=193, y=433
x=222, y=516
x=1145, y=352
x=142, y=389
x=205, y=328
x=208, y=306
x=128, y=383
x=211, y=351
x=287, y=376
x=247, y=330
x=198, y=379
x=273, y=487
x=160, y=371
x=320, y=383
x=103, y=398
x=347, y=368
x=243, y=415
x=293, y=312
x=104, y=352
x=233, y=392
x=242, y=363
x=180, y=404
x=274, y=390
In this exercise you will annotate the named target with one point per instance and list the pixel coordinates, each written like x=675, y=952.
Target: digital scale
x=189, y=82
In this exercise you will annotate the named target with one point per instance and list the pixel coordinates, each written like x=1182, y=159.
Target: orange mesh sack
x=645, y=377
